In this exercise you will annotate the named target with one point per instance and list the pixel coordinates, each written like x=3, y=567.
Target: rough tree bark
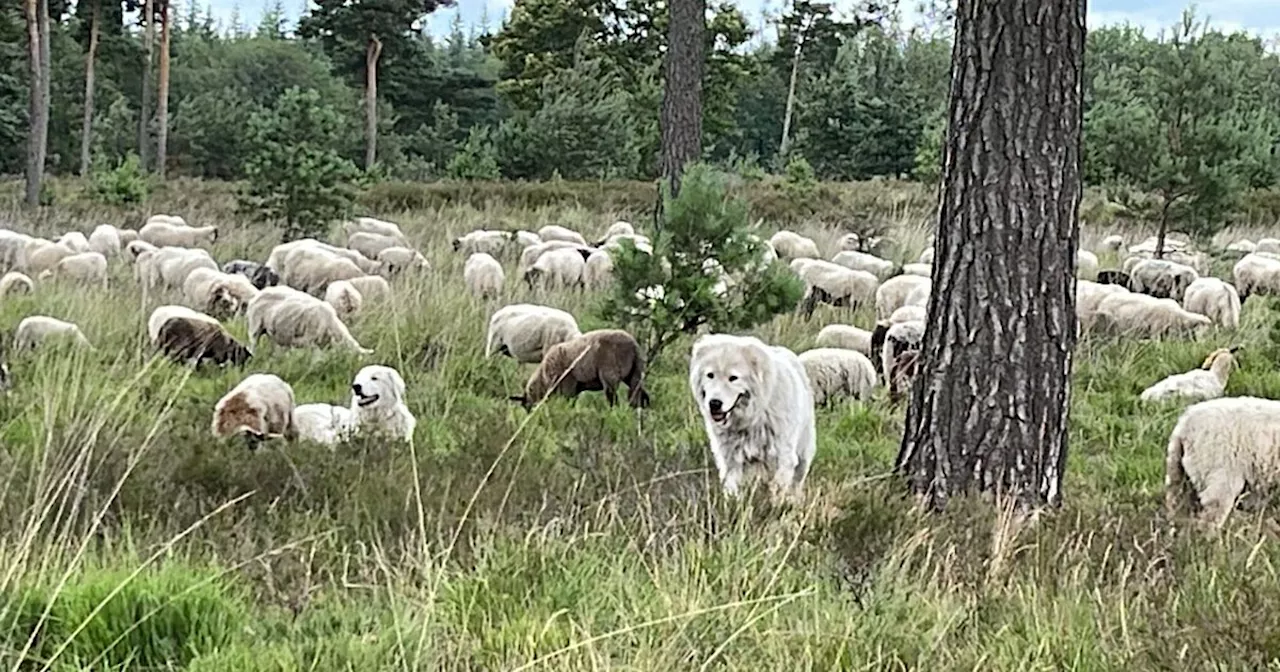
x=682, y=88
x=989, y=405
x=784, y=146
x=144, y=105
x=38, y=133
x=162, y=94
x=86, y=123
x=371, y=55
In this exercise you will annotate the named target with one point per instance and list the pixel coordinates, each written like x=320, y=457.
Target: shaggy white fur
x=1215, y=299
x=837, y=372
x=845, y=336
x=790, y=245
x=1207, y=382
x=526, y=331
x=483, y=276
x=167, y=234
x=36, y=329
x=553, y=232
x=294, y=319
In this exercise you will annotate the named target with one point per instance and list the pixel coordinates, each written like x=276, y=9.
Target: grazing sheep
x=1207, y=382
x=14, y=282
x=44, y=256
x=163, y=314
x=1222, y=446
x=396, y=260
x=790, y=245
x=1271, y=245
x=196, y=341
x=1243, y=246
x=127, y=235
x=372, y=288
x=527, y=238
x=1257, y=274
x=34, y=330
x=598, y=273
x=618, y=228
x=168, y=267
x=259, y=275
x=1086, y=264
x=557, y=269
x=164, y=234
x=526, y=331
x=482, y=241
x=282, y=255
x=902, y=371
x=86, y=268
x=311, y=270
x=135, y=248
x=483, y=276
x=13, y=249
x=1161, y=279
x=370, y=244
x=377, y=226
x=175, y=220
x=1142, y=315
x=925, y=270
x=105, y=240
x=553, y=232
x=260, y=407
x=910, y=313
x=295, y=319
x=530, y=255
x=1088, y=296
x=838, y=372
x=75, y=241
x=1112, y=243
x=1215, y=299
x=344, y=298
x=899, y=338
x=1114, y=276
x=861, y=261
x=827, y=282
x=595, y=361
x=845, y=336
x=641, y=243
x=894, y=293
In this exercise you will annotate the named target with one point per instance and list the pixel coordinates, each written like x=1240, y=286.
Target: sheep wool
x=861, y=261
x=1219, y=447
x=1257, y=273
x=34, y=330
x=894, y=292
x=598, y=273
x=294, y=319
x=483, y=276
x=553, y=232
x=166, y=234
x=14, y=282
x=75, y=241
x=845, y=336
x=86, y=268
x=344, y=298
x=837, y=372
x=372, y=288
x=790, y=245
x=525, y=331
x=1141, y=315
x=260, y=407
x=1161, y=279
x=370, y=244
x=557, y=269
x=163, y=314
x=828, y=282
x=216, y=293
x=105, y=240
x=1207, y=382
x=1215, y=299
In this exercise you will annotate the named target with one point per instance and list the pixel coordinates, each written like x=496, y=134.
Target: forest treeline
x=571, y=89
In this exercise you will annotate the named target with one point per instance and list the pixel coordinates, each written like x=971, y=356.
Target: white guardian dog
x=377, y=400
x=757, y=404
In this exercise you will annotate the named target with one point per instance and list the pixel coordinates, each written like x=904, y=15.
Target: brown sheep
x=608, y=357
x=195, y=341
x=903, y=370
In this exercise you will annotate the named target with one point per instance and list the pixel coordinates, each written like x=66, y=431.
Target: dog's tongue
x=719, y=417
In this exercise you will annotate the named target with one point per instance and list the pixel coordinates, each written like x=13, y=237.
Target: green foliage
x=800, y=180
x=476, y=160
x=704, y=233
x=928, y=162
x=122, y=185
x=294, y=174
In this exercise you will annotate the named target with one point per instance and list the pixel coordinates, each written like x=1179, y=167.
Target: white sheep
x=492, y=243
x=1086, y=264
x=925, y=270
x=260, y=407
x=86, y=268
x=1207, y=382
x=899, y=339
x=15, y=282
x=598, y=272
x=395, y=260
x=344, y=298
x=557, y=269
x=1221, y=446
x=527, y=238
x=1257, y=273
x=372, y=288
x=529, y=256
x=483, y=276
x=135, y=249
x=127, y=235
x=618, y=228
x=76, y=241
x=837, y=372
x=217, y=293
x=378, y=226
x=105, y=240
x=790, y=245
x=828, y=282
x=165, y=234
x=526, y=331
x=894, y=292
x=1112, y=243
x=282, y=254
x=861, y=261
x=295, y=319
x=175, y=220
x=1161, y=278
x=1243, y=246
x=42, y=255
x=1142, y=315
x=845, y=336
x=1271, y=245
x=1215, y=299
x=1088, y=296
x=371, y=244
x=13, y=249
x=311, y=269
x=553, y=232
x=909, y=313
x=168, y=267
x=34, y=330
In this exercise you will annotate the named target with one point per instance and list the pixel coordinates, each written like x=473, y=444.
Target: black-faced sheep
x=595, y=361
x=261, y=276
x=1113, y=276
x=557, y=269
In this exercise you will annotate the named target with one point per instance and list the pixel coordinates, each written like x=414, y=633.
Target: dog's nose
x=356, y=388
x=715, y=405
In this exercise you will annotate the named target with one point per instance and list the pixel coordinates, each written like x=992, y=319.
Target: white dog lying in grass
x=377, y=407
x=757, y=406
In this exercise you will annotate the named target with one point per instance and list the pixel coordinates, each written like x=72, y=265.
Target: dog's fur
x=757, y=405
x=377, y=401
x=260, y=407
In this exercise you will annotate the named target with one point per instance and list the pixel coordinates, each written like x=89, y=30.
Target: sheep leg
x=1218, y=498
x=610, y=393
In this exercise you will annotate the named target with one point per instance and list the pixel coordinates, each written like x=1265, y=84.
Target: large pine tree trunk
x=144, y=106
x=37, y=135
x=682, y=88
x=162, y=97
x=989, y=405
x=86, y=124
x=371, y=55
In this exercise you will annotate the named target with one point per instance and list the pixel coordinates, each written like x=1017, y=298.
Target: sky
x=1261, y=17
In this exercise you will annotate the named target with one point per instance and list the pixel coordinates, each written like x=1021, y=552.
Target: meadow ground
x=579, y=536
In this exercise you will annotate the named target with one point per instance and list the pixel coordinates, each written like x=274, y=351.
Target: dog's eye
x=732, y=378
x=711, y=375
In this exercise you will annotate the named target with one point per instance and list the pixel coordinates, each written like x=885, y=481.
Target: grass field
x=579, y=537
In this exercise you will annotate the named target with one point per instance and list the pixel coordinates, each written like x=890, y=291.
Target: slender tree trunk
x=989, y=405
x=681, y=118
x=37, y=135
x=791, y=98
x=371, y=55
x=162, y=97
x=144, y=105
x=86, y=124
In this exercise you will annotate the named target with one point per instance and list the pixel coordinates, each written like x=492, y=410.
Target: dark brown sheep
x=196, y=341
x=608, y=357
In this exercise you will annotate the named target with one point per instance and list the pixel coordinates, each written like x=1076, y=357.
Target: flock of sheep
x=301, y=293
